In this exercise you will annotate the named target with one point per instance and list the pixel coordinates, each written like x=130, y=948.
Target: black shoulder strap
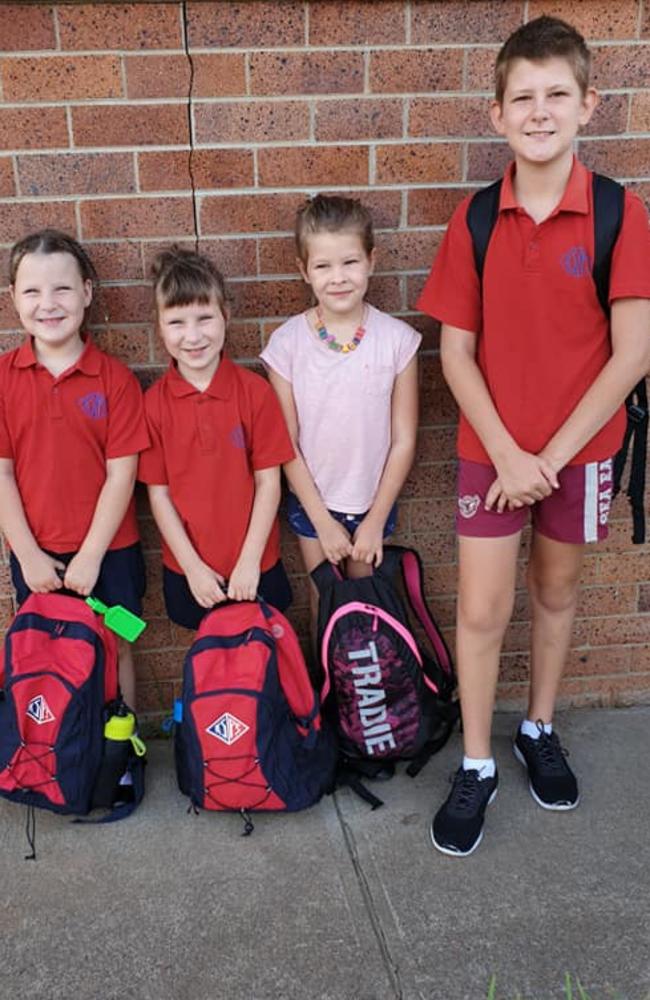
x=609, y=199
x=481, y=218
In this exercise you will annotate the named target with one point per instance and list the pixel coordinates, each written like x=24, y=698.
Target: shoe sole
x=551, y=806
x=449, y=851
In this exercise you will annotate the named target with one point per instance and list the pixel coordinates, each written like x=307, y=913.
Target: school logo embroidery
x=576, y=262
x=39, y=711
x=237, y=437
x=93, y=405
x=468, y=505
x=227, y=728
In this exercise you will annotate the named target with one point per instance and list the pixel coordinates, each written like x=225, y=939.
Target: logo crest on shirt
x=93, y=405
x=468, y=505
x=576, y=262
x=237, y=437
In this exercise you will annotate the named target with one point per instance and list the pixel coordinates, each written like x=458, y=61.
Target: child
x=71, y=427
x=539, y=373
x=346, y=376
x=218, y=440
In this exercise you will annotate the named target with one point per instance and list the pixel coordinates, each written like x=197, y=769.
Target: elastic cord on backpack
x=30, y=832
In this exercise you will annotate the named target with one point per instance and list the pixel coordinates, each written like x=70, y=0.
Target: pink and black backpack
x=391, y=698
x=249, y=734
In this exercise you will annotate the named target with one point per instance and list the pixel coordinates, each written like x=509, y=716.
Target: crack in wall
x=190, y=128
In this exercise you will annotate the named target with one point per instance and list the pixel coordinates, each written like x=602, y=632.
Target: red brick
x=27, y=27
x=610, y=116
x=318, y=166
x=598, y=662
x=596, y=19
x=132, y=345
x=641, y=658
x=344, y=22
x=247, y=122
x=419, y=163
x=616, y=158
x=428, y=327
x=640, y=113
x=19, y=218
x=61, y=78
x=615, y=599
x=384, y=206
x=644, y=597
x=234, y=257
x=455, y=21
x=32, y=128
x=136, y=217
x=130, y=125
x=407, y=250
x=219, y=74
x=617, y=629
x=371, y=118
x=117, y=261
x=73, y=173
x=430, y=116
x=277, y=255
x=250, y=213
x=211, y=168
x=120, y=26
x=613, y=63
x=436, y=444
x=244, y=340
x=385, y=293
x=8, y=318
x=487, y=160
x=7, y=183
x=645, y=22
x=122, y=304
x=410, y=70
x=157, y=76
x=433, y=206
x=268, y=298
x=159, y=696
x=480, y=69
x=246, y=25
x=303, y=73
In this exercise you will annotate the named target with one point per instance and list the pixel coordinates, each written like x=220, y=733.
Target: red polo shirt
x=60, y=431
x=542, y=335
x=205, y=446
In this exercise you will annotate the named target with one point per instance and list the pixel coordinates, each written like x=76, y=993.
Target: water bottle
x=120, y=742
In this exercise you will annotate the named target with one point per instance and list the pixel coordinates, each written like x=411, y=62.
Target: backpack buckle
x=636, y=413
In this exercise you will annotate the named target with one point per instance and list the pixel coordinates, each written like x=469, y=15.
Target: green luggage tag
x=120, y=620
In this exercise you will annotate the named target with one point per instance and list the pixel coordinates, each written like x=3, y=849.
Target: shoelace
x=466, y=791
x=549, y=752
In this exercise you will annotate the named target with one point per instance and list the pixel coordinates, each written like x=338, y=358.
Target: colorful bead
x=333, y=343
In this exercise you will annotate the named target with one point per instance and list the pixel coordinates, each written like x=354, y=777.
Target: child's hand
x=81, y=574
x=40, y=572
x=244, y=580
x=335, y=540
x=206, y=585
x=521, y=480
x=368, y=542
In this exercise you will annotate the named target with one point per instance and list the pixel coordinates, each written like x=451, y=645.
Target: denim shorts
x=301, y=525
x=121, y=579
x=183, y=609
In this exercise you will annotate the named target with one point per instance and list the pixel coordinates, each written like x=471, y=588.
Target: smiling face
x=194, y=335
x=338, y=269
x=51, y=297
x=542, y=109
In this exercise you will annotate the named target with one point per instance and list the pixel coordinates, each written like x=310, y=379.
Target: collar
x=220, y=387
x=89, y=362
x=574, y=199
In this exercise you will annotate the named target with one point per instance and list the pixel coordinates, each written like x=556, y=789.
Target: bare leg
x=487, y=568
x=126, y=672
x=312, y=555
x=553, y=583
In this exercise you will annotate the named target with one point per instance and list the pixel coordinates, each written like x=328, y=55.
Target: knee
x=555, y=592
x=488, y=614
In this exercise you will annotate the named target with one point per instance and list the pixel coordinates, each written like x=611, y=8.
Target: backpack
x=391, y=699
x=58, y=684
x=249, y=734
x=609, y=201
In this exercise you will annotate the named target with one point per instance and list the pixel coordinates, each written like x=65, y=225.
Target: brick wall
x=99, y=136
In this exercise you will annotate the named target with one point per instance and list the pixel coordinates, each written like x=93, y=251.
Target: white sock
x=531, y=729
x=484, y=765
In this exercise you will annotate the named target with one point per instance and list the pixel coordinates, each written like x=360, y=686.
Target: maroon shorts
x=577, y=512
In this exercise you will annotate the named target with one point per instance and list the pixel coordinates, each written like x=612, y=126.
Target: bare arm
x=39, y=570
x=369, y=536
x=333, y=537
x=630, y=361
x=112, y=502
x=245, y=576
x=204, y=582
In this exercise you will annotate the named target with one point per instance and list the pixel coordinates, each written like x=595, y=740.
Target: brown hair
x=544, y=38
x=52, y=241
x=182, y=277
x=332, y=214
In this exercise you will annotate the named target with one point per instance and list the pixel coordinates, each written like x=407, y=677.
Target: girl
x=346, y=377
x=71, y=427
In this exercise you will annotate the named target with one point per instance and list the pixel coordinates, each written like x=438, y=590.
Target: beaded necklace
x=332, y=342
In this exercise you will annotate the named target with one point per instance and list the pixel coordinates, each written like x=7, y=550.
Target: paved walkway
x=340, y=903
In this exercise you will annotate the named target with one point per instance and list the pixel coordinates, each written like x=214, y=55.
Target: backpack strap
x=481, y=218
x=609, y=199
x=325, y=575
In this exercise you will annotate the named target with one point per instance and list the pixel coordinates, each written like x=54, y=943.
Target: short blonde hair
x=332, y=214
x=544, y=38
x=181, y=277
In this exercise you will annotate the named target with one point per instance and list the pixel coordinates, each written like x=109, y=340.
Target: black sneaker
x=457, y=827
x=551, y=781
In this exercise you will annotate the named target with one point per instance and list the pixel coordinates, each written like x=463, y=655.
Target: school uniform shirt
x=206, y=447
x=542, y=335
x=60, y=431
x=343, y=402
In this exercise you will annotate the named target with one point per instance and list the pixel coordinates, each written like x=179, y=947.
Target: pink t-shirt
x=343, y=402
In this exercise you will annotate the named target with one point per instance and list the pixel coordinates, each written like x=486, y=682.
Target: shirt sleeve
x=630, y=272
x=278, y=354
x=151, y=467
x=408, y=344
x=127, y=428
x=452, y=292
x=270, y=443
x=6, y=447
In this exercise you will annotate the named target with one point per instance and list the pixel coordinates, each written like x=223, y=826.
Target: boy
x=218, y=440
x=540, y=374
